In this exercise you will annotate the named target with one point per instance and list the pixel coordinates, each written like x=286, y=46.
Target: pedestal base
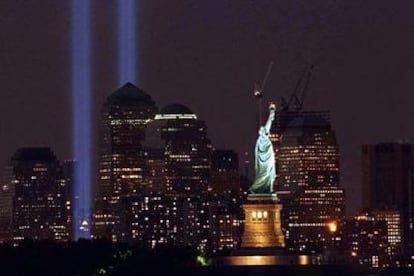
x=262, y=226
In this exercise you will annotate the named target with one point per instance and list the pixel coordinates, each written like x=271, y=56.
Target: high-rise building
x=225, y=161
x=187, y=150
x=226, y=225
x=307, y=159
x=364, y=240
x=225, y=176
x=41, y=208
x=155, y=180
x=308, y=217
x=6, y=205
x=308, y=154
x=393, y=221
x=68, y=167
x=124, y=117
x=147, y=219
x=154, y=219
x=388, y=184
x=225, y=212
x=153, y=190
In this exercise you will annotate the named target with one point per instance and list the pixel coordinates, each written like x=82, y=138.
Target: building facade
x=41, y=207
x=187, y=150
x=394, y=223
x=124, y=117
x=153, y=190
x=364, y=240
x=187, y=153
x=227, y=196
x=387, y=170
x=307, y=159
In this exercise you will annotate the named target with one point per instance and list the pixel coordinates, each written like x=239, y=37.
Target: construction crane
x=298, y=96
x=258, y=90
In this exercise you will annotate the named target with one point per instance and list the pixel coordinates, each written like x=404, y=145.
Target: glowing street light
x=332, y=226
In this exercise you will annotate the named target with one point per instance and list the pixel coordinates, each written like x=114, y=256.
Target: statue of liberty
x=264, y=158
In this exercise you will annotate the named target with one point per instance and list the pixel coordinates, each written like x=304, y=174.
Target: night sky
x=207, y=55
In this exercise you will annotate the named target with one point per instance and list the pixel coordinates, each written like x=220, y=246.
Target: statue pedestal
x=263, y=241
x=262, y=228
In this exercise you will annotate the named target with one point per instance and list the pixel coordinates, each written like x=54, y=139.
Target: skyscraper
x=225, y=212
x=364, y=240
x=307, y=158
x=6, y=205
x=187, y=170
x=187, y=150
x=152, y=190
x=41, y=208
x=172, y=206
x=308, y=153
x=225, y=176
x=393, y=221
x=68, y=167
x=124, y=117
x=387, y=184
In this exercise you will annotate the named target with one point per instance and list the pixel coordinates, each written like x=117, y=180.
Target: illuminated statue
x=264, y=159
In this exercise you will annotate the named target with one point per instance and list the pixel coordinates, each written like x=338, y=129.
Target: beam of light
x=81, y=117
x=126, y=42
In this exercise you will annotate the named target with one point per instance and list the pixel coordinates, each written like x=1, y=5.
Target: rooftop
x=128, y=94
x=308, y=122
x=175, y=111
x=34, y=154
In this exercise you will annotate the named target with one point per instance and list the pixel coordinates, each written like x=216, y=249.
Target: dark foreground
x=101, y=257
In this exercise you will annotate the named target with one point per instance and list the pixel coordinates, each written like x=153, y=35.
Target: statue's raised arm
x=265, y=166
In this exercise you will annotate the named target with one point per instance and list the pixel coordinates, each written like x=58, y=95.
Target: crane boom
x=258, y=90
x=301, y=87
x=305, y=88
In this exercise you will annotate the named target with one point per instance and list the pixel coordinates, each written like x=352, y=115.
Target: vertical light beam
x=81, y=117
x=126, y=42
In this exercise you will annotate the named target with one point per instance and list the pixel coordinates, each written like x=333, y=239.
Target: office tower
x=393, y=221
x=225, y=212
x=155, y=219
x=225, y=176
x=41, y=208
x=308, y=154
x=387, y=184
x=147, y=219
x=307, y=159
x=155, y=180
x=68, y=167
x=226, y=225
x=187, y=150
x=225, y=161
x=6, y=206
x=124, y=117
x=169, y=203
x=364, y=240
x=187, y=153
x=308, y=217
x=158, y=218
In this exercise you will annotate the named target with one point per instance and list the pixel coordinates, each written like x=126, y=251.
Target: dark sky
x=207, y=55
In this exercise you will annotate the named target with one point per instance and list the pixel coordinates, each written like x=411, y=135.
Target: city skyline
x=362, y=55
